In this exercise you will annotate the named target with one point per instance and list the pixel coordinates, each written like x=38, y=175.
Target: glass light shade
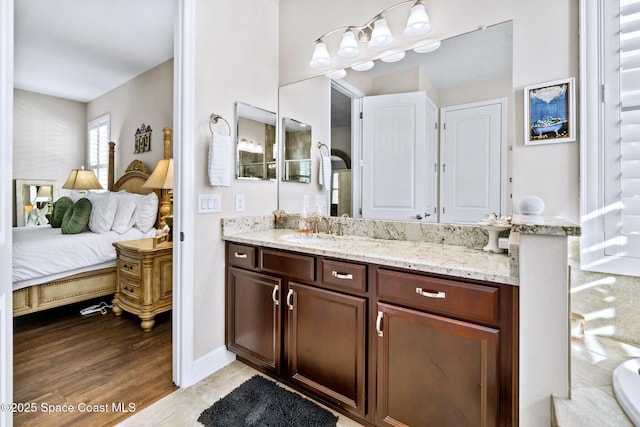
x=336, y=74
x=348, y=46
x=418, y=23
x=394, y=57
x=364, y=66
x=381, y=36
x=81, y=179
x=162, y=176
x=429, y=47
x=320, y=58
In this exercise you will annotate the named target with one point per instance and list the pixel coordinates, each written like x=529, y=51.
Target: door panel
x=398, y=157
x=471, y=162
x=326, y=342
x=435, y=371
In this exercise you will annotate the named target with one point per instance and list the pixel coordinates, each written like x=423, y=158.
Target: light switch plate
x=209, y=203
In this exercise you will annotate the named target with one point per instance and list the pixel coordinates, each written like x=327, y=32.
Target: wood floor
x=100, y=366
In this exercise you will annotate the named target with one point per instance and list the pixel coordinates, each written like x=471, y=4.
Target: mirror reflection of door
x=398, y=157
x=471, y=161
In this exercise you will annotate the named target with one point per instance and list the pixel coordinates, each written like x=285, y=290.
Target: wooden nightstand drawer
x=129, y=266
x=131, y=290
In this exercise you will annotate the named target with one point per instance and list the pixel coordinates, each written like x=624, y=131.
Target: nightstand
x=143, y=279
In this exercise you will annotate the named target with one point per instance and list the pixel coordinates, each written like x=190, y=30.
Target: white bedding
x=44, y=252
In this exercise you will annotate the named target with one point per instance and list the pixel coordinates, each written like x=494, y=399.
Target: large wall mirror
x=439, y=123
x=297, y=151
x=33, y=200
x=256, y=146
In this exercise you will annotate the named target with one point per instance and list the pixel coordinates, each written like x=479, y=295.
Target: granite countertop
x=451, y=260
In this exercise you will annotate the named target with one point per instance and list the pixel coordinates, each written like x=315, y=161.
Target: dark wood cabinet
x=434, y=371
x=253, y=317
x=383, y=345
x=326, y=344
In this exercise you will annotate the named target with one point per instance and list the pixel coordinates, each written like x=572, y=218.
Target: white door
x=398, y=157
x=471, y=166
x=6, y=203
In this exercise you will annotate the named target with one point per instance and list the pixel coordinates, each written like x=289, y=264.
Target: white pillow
x=146, y=212
x=124, y=218
x=103, y=211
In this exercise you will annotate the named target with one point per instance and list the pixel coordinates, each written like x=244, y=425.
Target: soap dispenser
x=303, y=223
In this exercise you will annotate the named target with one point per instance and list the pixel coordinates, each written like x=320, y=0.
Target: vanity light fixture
x=428, y=47
x=336, y=74
x=375, y=33
x=394, y=57
x=363, y=67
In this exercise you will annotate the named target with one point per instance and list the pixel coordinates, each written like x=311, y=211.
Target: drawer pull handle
x=128, y=267
x=342, y=275
x=427, y=294
x=273, y=295
x=379, y=324
x=237, y=255
x=289, y=299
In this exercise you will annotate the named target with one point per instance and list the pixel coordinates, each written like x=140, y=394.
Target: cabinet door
x=326, y=344
x=434, y=371
x=253, y=317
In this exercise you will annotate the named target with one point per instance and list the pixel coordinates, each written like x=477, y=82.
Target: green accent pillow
x=59, y=208
x=76, y=217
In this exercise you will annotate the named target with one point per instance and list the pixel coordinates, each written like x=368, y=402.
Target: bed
x=81, y=266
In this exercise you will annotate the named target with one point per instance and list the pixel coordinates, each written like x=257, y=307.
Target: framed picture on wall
x=550, y=112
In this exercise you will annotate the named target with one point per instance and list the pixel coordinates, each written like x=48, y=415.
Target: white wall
x=49, y=136
x=549, y=171
x=236, y=60
x=148, y=99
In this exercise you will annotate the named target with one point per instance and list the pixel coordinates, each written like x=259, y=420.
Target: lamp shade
x=418, y=23
x=162, y=176
x=44, y=193
x=320, y=58
x=82, y=179
x=348, y=46
x=381, y=36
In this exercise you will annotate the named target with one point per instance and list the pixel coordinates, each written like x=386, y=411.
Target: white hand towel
x=220, y=160
x=324, y=177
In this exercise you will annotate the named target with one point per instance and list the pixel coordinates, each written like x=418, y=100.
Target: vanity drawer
x=295, y=266
x=459, y=299
x=130, y=266
x=343, y=275
x=241, y=255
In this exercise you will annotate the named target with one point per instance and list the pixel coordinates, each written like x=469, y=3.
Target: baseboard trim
x=210, y=363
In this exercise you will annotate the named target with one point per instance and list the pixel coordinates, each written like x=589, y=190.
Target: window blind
x=99, y=130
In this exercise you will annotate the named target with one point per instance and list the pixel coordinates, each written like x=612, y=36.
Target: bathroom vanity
x=390, y=332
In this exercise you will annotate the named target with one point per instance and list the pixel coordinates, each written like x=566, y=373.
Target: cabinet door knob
x=290, y=299
x=273, y=295
x=428, y=294
x=379, y=324
x=342, y=275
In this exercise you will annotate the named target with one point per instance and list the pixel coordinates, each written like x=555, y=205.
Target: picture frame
x=550, y=112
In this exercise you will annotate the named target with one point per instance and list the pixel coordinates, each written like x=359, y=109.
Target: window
x=610, y=129
x=99, y=134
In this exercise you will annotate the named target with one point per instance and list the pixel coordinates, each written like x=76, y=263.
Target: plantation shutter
x=99, y=148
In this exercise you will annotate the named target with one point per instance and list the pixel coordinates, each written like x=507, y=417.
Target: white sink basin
x=305, y=238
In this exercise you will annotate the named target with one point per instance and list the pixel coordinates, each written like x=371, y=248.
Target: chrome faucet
x=327, y=224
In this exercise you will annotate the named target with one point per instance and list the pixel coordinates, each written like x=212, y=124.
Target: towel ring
x=320, y=145
x=213, y=119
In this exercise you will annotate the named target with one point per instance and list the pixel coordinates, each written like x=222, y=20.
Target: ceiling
x=81, y=49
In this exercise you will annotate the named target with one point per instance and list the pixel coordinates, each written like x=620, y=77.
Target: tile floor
x=183, y=407
x=593, y=403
